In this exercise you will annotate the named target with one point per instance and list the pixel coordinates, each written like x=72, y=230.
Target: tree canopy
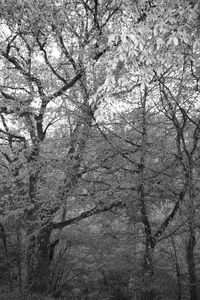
x=99, y=156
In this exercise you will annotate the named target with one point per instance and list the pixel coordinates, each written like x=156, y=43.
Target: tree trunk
x=4, y=239
x=148, y=290
x=178, y=274
x=19, y=265
x=191, y=265
x=191, y=240
x=37, y=257
x=37, y=260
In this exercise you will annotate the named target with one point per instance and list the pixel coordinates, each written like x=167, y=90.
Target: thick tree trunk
x=37, y=260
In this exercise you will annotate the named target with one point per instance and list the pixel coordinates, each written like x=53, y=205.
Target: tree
x=31, y=31
x=99, y=111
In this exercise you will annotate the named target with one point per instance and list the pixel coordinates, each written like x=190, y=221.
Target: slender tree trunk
x=4, y=239
x=178, y=275
x=148, y=272
x=148, y=291
x=191, y=240
x=191, y=265
x=19, y=266
x=181, y=118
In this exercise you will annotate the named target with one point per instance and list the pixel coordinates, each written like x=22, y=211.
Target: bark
x=38, y=249
x=191, y=266
x=191, y=239
x=3, y=236
x=37, y=260
x=37, y=257
x=19, y=264
x=4, y=239
x=178, y=274
x=148, y=291
x=37, y=239
x=86, y=214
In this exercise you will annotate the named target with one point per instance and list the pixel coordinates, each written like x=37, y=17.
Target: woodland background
x=99, y=149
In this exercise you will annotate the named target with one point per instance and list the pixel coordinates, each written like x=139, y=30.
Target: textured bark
x=86, y=214
x=178, y=274
x=19, y=263
x=191, y=265
x=37, y=260
x=148, y=292
x=4, y=239
x=191, y=239
x=148, y=295
x=38, y=241
x=147, y=289
x=38, y=249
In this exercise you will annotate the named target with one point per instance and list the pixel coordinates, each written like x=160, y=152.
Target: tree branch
x=86, y=214
x=13, y=135
x=65, y=87
x=170, y=217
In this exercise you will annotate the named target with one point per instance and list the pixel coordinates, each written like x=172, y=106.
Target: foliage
x=99, y=158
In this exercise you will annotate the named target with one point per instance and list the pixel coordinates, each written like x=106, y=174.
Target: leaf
x=111, y=38
x=159, y=42
x=196, y=45
x=175, y=41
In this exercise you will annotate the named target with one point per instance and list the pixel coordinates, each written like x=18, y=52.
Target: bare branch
x=86, y=214
x=171, y=216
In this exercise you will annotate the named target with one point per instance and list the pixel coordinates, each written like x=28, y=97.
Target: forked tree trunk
x=37, y=260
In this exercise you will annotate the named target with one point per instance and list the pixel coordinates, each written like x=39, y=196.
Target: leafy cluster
x=99, y=157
